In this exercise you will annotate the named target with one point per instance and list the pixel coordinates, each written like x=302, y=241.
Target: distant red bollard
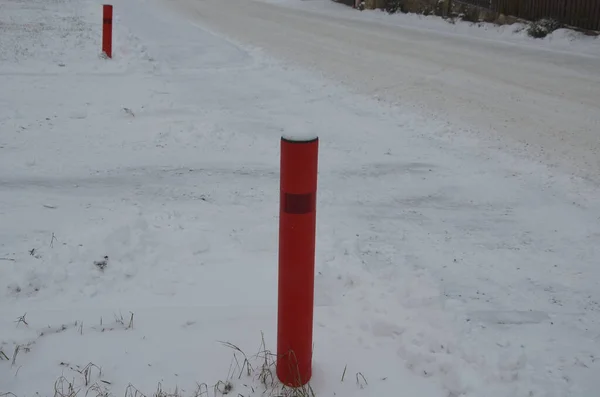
x=297, y=228
x=107, y=30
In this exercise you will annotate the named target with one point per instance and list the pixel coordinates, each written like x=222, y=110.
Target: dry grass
x=248, y=375
x=259, y=372
x=120, y=323
x=264, y=372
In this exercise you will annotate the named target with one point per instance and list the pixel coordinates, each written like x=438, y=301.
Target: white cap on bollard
x=300, y=137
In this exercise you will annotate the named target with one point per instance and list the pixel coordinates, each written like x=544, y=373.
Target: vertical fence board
x=568, y=7
x=543, y=10
x=592, y=15
x=579, y=17
x=579, y=13
x=595, y=14
x=560, y=9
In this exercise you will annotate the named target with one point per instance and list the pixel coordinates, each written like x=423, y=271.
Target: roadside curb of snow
x=564, y=40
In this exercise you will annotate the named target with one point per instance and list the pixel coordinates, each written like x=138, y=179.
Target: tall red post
x=297, y=228
x=107, y=17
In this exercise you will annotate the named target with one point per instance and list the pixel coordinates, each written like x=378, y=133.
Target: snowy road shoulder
x=562, y=40
x=532, y=102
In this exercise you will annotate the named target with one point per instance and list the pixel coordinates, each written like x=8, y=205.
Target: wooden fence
x=583, y=14
x=346, y=2
x=479, y=3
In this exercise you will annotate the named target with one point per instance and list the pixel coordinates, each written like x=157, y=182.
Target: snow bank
x=563, y=40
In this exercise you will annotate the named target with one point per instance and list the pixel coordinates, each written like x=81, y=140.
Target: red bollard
x=297, y=228
x=107, y=30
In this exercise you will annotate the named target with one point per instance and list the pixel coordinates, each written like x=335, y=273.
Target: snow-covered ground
x=529, y=100
x=564, y=40
x=444, y=269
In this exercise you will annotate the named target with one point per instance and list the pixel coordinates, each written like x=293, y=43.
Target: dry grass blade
x=17, y=349
x=87, y=372
x=64, y=388
x=97, y=390
x=119, y=319
x=130, y=325
x=161, y=393
x=305, y=390
x=22, y=320
x=223, y=388
x=266, y=377
x=56, y=330
x=52, y=240
x=245, y=365
x=232, y=346
x=232, y=369
x=132, y=391
x=201, y=390
x=364, y=382
x=93, y=386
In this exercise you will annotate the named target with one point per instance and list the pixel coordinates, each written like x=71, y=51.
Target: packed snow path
x=447, y=266
x=544, y=104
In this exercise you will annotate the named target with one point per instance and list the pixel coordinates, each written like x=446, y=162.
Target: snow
x=300, y=137
x=444, y=267
x=527, y=100
x=562, y=40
